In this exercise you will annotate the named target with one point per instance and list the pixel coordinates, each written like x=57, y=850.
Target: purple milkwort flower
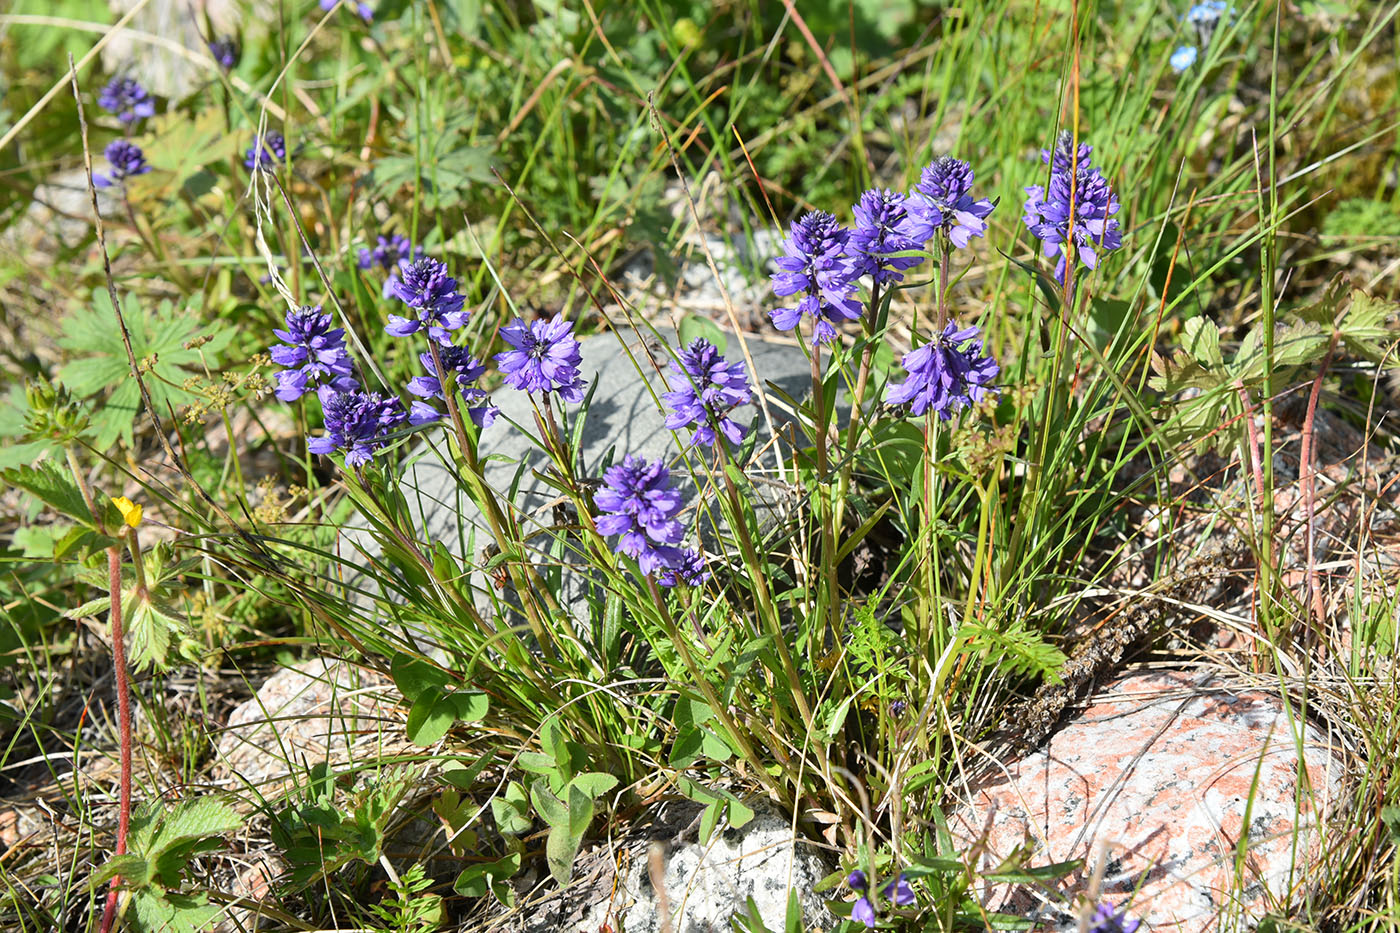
x=464, y=370
x=1108, y=920
x=813, y=264
x=360, y=423
x=267, y=150
x=690, y=569
x=711, y=388
x=945, y=374
x=883, y=229
x=225, y=51
x=390, y=253
x=313, y=353
x=545, y=358
x=942, y=202
x=366, y=13
x=638, y=503
x=126, y=98
x=426, y=287
x=126, y=159
x=898, y=892
x=1048, y=208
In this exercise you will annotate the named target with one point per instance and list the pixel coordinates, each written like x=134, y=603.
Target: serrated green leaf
x=134, y=869
x=163, y=912
x=1201, y=339
x=55, y=487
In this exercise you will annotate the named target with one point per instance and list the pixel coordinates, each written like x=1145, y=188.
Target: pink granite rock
x=1158, y=778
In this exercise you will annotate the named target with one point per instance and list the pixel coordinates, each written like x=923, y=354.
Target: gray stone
x=624, y=416
x=702, y=886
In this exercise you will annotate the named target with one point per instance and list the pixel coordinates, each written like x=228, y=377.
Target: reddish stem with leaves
x=114, y=582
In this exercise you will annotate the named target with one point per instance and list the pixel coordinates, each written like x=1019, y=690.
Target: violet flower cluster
x=814, y=265
x=360, y=423
x=711, y=387
x=823, y=261
x=126, y=159
x=942, y=203
x=126, y=98
x=544, y=357
x=898, y=892
x=390, y=253
x=463, y=370
x=1073, y=215
x=432, y=295
x=313, y=354
x=267, y=151
x=945, y=374
x=638, y=503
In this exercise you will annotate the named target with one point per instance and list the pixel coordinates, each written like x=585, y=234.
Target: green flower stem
x=527, y=582
x=721, y=709
x=824, y=509
x=871, y=327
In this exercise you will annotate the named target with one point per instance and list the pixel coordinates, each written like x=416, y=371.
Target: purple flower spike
x=883, y=229
x=945, y=374
x=426, y=287
x=358, y=423
x=1073, y=215
x=267, y=151
x=545, y=358
x=1108, y=920
x=225, y=51
x=313, y=353
x=463, y=368
x=813, y=265
x=391, y=254
x=126, y=159
x=711, y=388
x=126, y=98
x=942, y=203
x=638, y=503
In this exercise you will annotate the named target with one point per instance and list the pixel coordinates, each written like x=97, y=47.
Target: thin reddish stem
x=114, y=583
x=1308, y=481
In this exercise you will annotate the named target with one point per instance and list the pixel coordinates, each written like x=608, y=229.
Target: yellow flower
x=131, y=512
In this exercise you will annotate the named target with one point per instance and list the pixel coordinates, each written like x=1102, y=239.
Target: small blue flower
x=465, y=371
x=126, y=98
x=126, y=159
x=815, y=266
x=266, y=151
x=945, y=374
x=638, y=503
x=1205, y=17
x=1108, y=920
x=544, y=357
x=313, y=353
x=942, y=202
x=1183, y=58
x=898, y=892
x=710, y=389
x=426, y=288
x=690, y=569
x=883, y=230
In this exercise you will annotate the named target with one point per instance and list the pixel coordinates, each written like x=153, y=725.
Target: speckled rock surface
x=318, y=710
x=1158, y=777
